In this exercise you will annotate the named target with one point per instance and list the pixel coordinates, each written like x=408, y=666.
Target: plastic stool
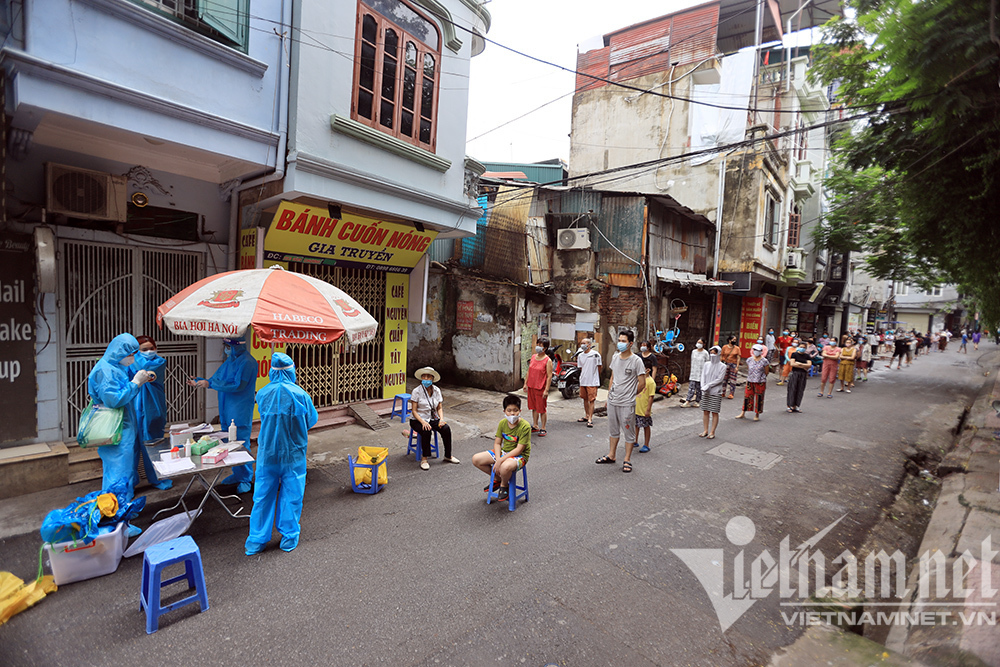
x=514, y=490
x=403, y=411
x=156, y=558
x=413, y=445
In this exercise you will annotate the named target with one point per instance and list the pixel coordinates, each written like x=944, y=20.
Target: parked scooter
x=568, y=378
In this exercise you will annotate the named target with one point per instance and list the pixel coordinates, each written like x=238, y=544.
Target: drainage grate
x=746, y=455
x=367, y=416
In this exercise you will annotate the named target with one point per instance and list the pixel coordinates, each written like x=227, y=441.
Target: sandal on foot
x=627, y=466
x=541, y=432
x=741, y=417
x=756, y=419
x=590, y=425
x=605, y=459
x=581, y=420
x=703, y=435
x=711, y=436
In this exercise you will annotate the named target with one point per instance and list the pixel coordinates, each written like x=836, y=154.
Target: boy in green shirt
x=511, y=448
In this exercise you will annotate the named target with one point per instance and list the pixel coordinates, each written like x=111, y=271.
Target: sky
x=505, y=85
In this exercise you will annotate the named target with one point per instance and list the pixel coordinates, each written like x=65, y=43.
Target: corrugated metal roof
x=533, y=173
x=737, y=18
x=622, y=219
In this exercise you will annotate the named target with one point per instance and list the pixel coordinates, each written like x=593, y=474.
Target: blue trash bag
x=79, y=521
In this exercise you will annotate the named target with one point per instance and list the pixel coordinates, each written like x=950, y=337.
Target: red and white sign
x=282, y=306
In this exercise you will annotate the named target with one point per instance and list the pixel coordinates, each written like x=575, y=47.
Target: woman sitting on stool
x=427, y=414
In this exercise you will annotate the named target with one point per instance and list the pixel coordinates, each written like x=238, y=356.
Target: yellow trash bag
x=16, y=596
x=371, y=456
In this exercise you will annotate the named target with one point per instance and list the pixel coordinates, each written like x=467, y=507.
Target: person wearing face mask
x=699, y=356
x=648, y=358
x=427, y=415
x=536, y=386
x=628, y=378
x=286, y=415
x=800, y=362
x=753, y=395
x=864, y=359
x=589, y=361
x=828, y=374
x=731, y=358
x=150, y=404
x=845, y=369
x=236, y=382
x=713, y=377
x=108, y=384
x=511, y=448
x=771, y=343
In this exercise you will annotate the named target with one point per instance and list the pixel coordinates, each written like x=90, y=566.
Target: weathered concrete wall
x=483, y=357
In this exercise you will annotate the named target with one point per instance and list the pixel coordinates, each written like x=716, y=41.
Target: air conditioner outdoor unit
x=82, y=193
x=573, y=239
x=794, y=259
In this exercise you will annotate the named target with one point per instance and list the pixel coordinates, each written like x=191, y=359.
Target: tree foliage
x=916, y=184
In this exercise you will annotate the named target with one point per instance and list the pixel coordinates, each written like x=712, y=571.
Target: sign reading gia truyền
x=301, y=233
x=17, y=338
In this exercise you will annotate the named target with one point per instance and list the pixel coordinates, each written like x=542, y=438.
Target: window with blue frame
x=225, y=21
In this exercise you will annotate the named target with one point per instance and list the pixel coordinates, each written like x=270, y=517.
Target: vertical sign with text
x=396, y=325
x=751, y=320
x=717, y=326
x=464, y=315
x=18, y=392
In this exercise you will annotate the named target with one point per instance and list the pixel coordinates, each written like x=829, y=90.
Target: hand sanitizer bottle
x=232, y=431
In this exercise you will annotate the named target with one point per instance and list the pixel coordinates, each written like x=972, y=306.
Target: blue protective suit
x=286, y=415
x=151, y=409
x=109, y=384
x=236, y=382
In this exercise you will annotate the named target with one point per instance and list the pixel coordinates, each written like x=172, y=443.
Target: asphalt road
x=424, y=573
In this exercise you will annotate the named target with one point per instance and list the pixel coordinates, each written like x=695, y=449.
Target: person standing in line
x=900, y=346
x=649, y=357
x=785, y=354
x=942, y=340
x=427, y=415
x=800, y=362
x=964, y=346
x=698, y=358
x=589, y=360
x=889, y=343
x=150, y=405
x=731, y=358
x=713, y=378
x=873, y=344
x=976, y=337
x=644, y=409
x=628, y=377
x=286, y=415
x=771, y=343
x=536, y=386
x=845, y=369
x=828, y=373
x=753, y=395
x=235, y=381
x=864, y=361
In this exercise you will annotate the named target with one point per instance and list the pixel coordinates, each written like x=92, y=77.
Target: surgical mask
x=539, y=349
x=128, y=361
x=512, y=419
x=801, y=349
x=585, y=347
x=148, y=354
x=228, y=350
x=643, y=348
x=622, y=346
x=714, y=356
x=427, y=383
x=699, y=345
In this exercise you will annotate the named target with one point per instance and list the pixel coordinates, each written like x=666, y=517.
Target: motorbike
x=568, y=377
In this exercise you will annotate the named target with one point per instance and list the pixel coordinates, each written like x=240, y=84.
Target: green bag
x=100, y=426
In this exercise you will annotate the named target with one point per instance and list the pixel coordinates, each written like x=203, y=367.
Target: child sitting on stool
x=511, y=448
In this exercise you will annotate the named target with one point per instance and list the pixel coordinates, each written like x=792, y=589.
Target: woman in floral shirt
x=753, y=396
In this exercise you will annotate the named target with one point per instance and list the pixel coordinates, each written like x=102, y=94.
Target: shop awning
x=686, y=278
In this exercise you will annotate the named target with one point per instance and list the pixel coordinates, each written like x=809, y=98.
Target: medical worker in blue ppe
x=150, y=404
x=108, y=384
x=236, y=382
x=286, y=415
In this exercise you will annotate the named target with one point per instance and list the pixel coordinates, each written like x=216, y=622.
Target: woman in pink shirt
x=831, y=362
x=536, y=386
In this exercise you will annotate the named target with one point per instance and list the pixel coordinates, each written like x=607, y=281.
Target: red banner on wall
x=751, y=321
x=717, y=327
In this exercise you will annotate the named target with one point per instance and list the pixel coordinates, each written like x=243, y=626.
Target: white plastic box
x=71, y=563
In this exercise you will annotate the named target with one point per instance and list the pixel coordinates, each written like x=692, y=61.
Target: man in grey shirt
x=628, y=377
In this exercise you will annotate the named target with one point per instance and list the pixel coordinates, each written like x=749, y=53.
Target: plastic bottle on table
x=232, y=431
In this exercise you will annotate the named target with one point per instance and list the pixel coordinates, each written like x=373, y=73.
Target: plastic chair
x=155, y=559
x=413, y=445
x=403, y=411
x=514, y=490
x=374, y=486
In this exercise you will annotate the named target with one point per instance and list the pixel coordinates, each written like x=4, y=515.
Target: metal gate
x=106, y=290
x=336, y=374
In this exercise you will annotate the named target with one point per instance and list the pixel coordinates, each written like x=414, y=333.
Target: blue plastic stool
x=372, y=487
x=155, y=559
x=403, y=411
x=514, y=490
x=413, y=445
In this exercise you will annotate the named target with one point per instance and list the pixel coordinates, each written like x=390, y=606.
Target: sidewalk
x=967, y=512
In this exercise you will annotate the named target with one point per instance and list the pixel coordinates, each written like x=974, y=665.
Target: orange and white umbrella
x=282, y=307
